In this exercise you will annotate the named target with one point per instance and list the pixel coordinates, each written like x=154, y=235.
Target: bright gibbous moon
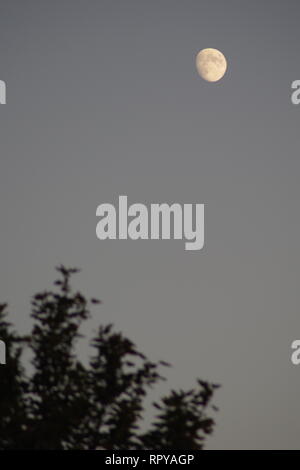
x=211, y=64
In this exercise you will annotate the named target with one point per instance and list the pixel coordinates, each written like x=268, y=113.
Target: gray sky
x=104, y=99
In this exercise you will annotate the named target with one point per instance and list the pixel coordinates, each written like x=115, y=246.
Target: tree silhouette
x=62, y=404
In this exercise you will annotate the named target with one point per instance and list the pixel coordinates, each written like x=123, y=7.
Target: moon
x=211, y=64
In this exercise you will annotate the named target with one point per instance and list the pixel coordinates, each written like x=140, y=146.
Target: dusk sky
x=104, y=99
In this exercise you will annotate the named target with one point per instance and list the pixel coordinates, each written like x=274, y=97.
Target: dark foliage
x=64, y=405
